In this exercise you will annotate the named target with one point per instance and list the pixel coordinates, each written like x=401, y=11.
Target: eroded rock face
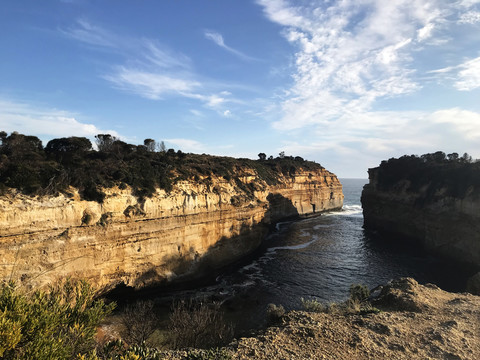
x=442, y=224
x=198, y=226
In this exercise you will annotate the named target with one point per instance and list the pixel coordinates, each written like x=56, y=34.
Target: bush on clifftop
x=27, y=166
x=430, y=173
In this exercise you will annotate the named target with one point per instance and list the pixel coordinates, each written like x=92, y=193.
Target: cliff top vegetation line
x=29, y=167
x=453, y=173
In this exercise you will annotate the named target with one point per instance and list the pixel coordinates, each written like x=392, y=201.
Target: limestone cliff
x=199, y=225
x=435, y=204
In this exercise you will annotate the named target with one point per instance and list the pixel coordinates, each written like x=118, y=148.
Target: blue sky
x=345, y=83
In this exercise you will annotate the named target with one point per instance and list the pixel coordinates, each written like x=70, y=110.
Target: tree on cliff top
x=26, y=166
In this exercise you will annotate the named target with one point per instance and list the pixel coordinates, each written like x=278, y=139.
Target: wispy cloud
x=217, y=38
x=150, y=85
x=352, y=54
x=465, y=76
x=46, y=123
x=91, y=34
x=149, y=69
x=470, y=17
x=469, y=75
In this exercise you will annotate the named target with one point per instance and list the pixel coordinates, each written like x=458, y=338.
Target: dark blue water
x=320, y=257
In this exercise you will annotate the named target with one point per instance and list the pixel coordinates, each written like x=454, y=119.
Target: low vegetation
x=36, y=170
x=429, y=174
x=60, y=324
x=357, y=303
x=198, y=324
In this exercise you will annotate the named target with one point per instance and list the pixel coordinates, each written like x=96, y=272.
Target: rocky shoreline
x=415, y=322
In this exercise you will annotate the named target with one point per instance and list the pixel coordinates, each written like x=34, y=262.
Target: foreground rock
x=416, y=322
x=198, y=226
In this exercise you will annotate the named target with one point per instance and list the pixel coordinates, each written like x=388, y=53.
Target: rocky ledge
x=415, y=322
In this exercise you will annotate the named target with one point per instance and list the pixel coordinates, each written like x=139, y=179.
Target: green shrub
x=274, y=313
x=313, y=305
x=359, y=292
x=211, y=354
x=49, y=326
x=198, y=324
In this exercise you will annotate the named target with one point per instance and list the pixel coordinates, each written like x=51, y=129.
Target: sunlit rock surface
x=197, y=227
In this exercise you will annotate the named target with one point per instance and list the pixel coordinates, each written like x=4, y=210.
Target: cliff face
x=438, y=209
x=198, y=226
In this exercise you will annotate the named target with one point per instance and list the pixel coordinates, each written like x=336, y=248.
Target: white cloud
x=91, y=34
x=227, y=113
x=363, y=140
x=466, y=76
x=150, y=85
x=464, y=122
x=349, y=54
x=470, y=17
x=197, y=113
x=46, y=123
x=217, y=38
x=425, y=32
x=469, y=75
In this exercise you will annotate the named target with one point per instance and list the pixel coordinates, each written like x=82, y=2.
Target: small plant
x=198, y=324
x=359, y=292
x=313, y=305
x=140, y=322
x=335, y=308
x=105, y=219
x=211, y=354
x=274, y=313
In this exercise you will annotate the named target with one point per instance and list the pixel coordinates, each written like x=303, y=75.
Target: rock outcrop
x=198, y=226
x=433, y=203
x=415, y=322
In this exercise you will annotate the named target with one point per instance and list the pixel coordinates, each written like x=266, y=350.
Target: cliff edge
x=433, y=201
x=201, y=223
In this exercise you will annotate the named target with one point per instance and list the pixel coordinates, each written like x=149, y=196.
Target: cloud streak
x=217, y=38
x=149, y=70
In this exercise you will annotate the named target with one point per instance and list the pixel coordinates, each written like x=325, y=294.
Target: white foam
x=291, y=247
x=279, y=224
x=348, y=210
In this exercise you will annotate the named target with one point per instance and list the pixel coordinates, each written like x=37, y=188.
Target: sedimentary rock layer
x=198, y=226
x=431, y=215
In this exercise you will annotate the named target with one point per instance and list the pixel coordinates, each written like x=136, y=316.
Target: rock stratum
x=434, y=203
x=199, y=225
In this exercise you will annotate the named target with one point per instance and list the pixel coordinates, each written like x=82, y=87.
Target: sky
x=345, y=83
